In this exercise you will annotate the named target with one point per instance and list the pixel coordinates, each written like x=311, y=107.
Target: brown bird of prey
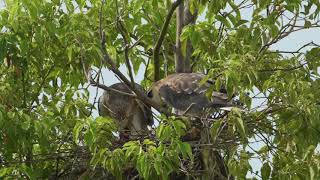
x=183, y=92
x=130, y=114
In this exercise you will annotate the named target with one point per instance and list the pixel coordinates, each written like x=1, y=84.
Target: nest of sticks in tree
x=208, y=152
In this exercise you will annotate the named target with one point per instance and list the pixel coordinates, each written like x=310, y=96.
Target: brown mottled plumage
x=129, y=113
x=183, y=92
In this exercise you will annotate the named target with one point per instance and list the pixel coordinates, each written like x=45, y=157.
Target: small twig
x=283, y=69
x=136, y=43
x=124, y=33
x=298, y=50
x=283, y=33
x=104, y=87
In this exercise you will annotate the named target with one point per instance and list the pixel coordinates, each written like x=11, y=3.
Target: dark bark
x=184, y=18
x=179, y=59
x=156, y=51
x=189, y=18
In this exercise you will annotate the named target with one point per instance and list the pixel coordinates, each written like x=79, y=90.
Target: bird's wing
x=102, y=107
x=128, y=105
x=183, y=89
x=185, y=83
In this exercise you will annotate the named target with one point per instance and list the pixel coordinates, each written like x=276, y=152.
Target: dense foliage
x=46, y=122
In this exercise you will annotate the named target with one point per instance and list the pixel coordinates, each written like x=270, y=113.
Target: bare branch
x=188, y=18
x=296, y=51
x=283, y=69
x=112, y=66
x=104, y=87
x=156, y=50
x=284, y=32
x=136, y=43
x=124, y=33
x=179, y=59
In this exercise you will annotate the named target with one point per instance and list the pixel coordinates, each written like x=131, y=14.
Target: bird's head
x=154, y=94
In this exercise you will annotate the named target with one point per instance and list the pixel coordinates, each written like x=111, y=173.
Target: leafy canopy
x=46, y=122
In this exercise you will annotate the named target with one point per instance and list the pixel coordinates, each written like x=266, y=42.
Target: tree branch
x=124, y=34
x=156, y=50
x=189, y=18
x=283, y=69
x=179, y=59
x=106, y=88
x=298, y=51
x=284, y=32
x=112, y=66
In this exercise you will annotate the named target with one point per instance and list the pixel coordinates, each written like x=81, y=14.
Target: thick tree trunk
x=189, y=51
x=189, y=18
x=179, y=62
x=184, y=17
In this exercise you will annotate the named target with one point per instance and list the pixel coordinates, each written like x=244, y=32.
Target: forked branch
x=112, y=66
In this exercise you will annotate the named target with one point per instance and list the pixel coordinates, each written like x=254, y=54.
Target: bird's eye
x=150, y=95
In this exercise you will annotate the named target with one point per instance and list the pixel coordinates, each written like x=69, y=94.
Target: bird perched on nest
x=183, y=92
x=130, y=114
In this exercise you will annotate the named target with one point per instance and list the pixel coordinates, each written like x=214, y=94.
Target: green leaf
x=159, y=131
x=131, y=143
x=69, y=51
x=229, y=83
x=218, y=84
x=309, y=152
x=69, y=6
x=242, y=21
x=185, y=149
x=28, y=172
x=307, y=24
x=209, y=92
x=3, y=49
x=223, y=20
x=195, y=38
x=158, y=167
x=136, y=65
x=26, y=122
x=89, y=137
x=81, y=3
x=274, y=30
x=240, y=126
x=149, y=142
x=265, y=171
x=137, y=6
x=312, y=173
x=179, y=126
x=142, y=161
x=263, y=150
x=131, y=150
x=215, y=129
x=33, y=11
x=184, y=47
x=97, y=158
x=192, y=6
x=4, y=171
x=76, y=131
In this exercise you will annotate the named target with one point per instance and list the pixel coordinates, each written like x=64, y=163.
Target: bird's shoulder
x=188, y=83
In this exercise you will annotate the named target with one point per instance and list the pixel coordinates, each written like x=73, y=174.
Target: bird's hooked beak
x=153, y=93
x=149, y=94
